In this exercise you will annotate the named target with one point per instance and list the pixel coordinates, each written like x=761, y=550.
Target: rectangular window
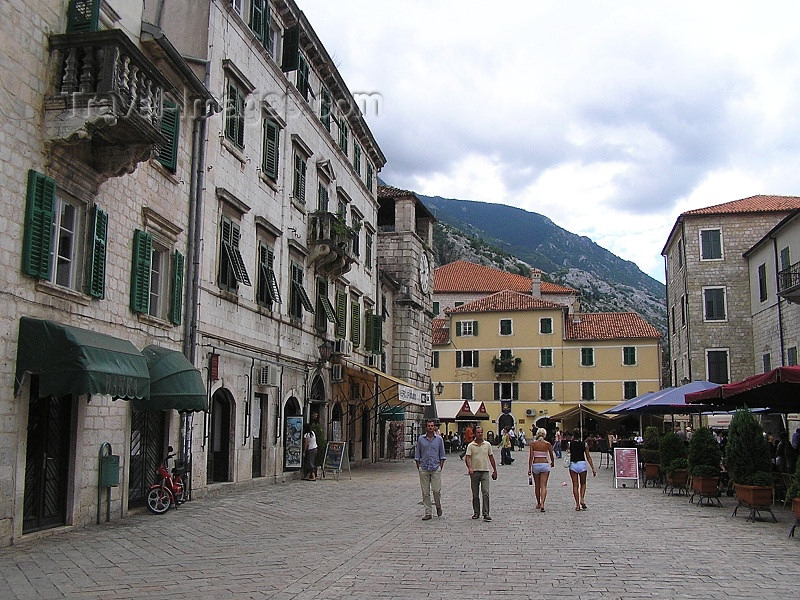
x=322, y=197
x=268, y=291
x=457, y=304
x=257, y=21
x=357, y=158
x=629, y=355
x=299, y=177
x=234, y=113
x=506, y=354
x=435, y=360
x=784, y=259
x=791, y=356
x=435, y=308
x=231, y=266
x=717, y=366
x=680, y=254
x=683, y=311
x=355, y=323
x=341, y=314
x=370, y=175
x=672, y=314
x=83, y=15
x=156, y=278
x=343, y=135
x=710, y=244
x=714, y=304
x=170, y=129
x=368, y=248
x=356, y=224
x=505, y=327
x=66, y=243
x=766, y=363
x=762, y=283
x=587, y=390
x=466, y=391
x=325, y=312
x=587, y=357
x=466, y=359
x=546, y=325
x=546, y=357
x=298, y=297
x=269, y=159
x=546, y=390
x=466, y=328
x=325, y=108
x=303, y=79
x=506, y=391
x=630, y=390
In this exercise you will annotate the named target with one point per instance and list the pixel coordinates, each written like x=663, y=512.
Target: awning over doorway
x=71, y=360
x=393, y=391
x=393, y=413
x=461, y=410
x=174, y=382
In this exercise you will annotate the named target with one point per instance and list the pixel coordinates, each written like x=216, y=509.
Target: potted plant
x=651, y=458
x=794, y=492
x=704, y=460
x=673, y=461
x=748, y=462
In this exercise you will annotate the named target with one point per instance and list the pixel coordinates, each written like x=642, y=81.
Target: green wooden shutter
x=341, y=314
x=475, y=355
x=176, y=308
x=39, y=208
x=497, y=391
x=368, y=341
x=140, y=271
x=458, y=329
x=170, y=126
x=475, y=328
x=271, y=135
x=377, y=334
x=96, y=284
x=355, y=324
x=83, y=15
x=458, y=359
x=257, y=19
x=515, y=391
x=291, y=48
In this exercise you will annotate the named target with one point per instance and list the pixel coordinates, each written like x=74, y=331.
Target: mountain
x=515, y=240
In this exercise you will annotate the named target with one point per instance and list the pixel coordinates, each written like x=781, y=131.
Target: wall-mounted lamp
x=439, y=388
x=325, y=350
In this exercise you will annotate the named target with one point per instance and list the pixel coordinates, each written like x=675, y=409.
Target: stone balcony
x=107, y=101
x=789, y=283
x=331, y=244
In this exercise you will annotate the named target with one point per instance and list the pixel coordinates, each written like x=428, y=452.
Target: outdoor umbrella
x=673, y=400
x=778, y=390
x=623, y=407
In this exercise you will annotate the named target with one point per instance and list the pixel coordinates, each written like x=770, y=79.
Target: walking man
x=479, y=457
x=429, y=456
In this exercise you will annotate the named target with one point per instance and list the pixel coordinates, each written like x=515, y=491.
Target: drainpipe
x=778, y=299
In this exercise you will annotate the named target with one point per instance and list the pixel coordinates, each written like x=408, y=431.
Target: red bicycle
x=170, y=490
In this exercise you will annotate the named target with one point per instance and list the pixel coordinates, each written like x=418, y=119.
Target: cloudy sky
x=610, y=118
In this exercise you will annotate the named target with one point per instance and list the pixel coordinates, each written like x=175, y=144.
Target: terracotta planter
x=678, y=478
x=796, y=508
x=705, y=486
x=754, y=496
x=651, y=470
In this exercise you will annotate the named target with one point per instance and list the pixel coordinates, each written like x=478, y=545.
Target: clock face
x=425, y=274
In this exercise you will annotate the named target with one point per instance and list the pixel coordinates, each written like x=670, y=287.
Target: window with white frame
x=232, y=270
x=714, y=304
x=629, y=355
x=546, y=390
x=156, y=277
x=717, y=365
x=546, y=357
x=545, y=325
x=270, y=148
x=368, y=241
x=466, y=328
x=506, y=327
x=587, y=357
x=299, y=165
x=762, y=282
x=506, y=390
x=466, y=359
x=710, y=244
x=235, y=95
x=435, y=360
x=766, y=362
x=587, y=390
x=466, y=391
x=791, y=356
x=629, y=390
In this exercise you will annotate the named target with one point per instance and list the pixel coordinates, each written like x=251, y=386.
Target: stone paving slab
x=364, y=538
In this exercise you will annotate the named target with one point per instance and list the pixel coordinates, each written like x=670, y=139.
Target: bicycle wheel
x=159, y=500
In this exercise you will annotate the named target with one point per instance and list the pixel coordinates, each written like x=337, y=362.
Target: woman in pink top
x=539, y=462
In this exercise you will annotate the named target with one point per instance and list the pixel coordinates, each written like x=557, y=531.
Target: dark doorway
x=364, y=432
x=259, y=417
x=220, y=438
x=147, y=452
x=47, y=461
x=504, y=421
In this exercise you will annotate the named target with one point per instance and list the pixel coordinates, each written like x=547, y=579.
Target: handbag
x=566, y=460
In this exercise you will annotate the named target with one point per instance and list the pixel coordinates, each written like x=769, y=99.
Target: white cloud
x=610, y=118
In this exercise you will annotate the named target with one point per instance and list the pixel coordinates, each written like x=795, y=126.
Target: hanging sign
x=413, y=395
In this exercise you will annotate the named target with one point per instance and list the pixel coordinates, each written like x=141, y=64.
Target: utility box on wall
x=109, y=471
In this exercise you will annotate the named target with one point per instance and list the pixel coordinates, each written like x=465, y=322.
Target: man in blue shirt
x=429, y=456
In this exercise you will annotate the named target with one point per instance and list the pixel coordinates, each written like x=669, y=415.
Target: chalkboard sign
x=335, y=455
x=626, y=465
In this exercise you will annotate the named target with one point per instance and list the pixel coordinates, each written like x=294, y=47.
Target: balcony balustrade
x=331, y=242
x=789, y=283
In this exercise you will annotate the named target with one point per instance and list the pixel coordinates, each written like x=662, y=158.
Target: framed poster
x=293, y=443
x=626, y=465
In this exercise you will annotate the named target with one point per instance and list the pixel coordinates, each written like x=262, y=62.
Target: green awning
x=70, y=360
x=393, y=413
x=174, y=382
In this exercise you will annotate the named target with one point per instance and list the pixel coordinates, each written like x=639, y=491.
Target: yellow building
x=526, y=358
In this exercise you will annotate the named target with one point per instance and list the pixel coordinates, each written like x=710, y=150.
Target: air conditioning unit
x=336, y=373
x=373, y=360
x=529, y=412
x=342, y=346
x=269, y=375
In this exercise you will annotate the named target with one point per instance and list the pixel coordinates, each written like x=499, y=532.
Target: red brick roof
x=753, y=204
x=388, y=191
x=505, y=301
x=441, y=332
x=609, y=326
x=464, y=276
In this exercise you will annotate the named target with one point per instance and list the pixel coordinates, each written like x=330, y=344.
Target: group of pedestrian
x=482, y=469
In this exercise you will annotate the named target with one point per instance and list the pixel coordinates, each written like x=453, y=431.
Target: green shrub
x=676, y=464
x=650, y=453
x=671, y=447
x=705, y=471
x=794, y=488
x=747, y=451
x=760, y=478
x=704, y=450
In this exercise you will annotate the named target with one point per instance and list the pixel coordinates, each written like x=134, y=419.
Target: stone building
x=710, y=314
x=199, y=184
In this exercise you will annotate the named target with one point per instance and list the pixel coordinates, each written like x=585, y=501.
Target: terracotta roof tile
x=388, y=191
x=464, y=276
x=507, y=300
x=441, y=332
x=609, y=326
x=753, y=204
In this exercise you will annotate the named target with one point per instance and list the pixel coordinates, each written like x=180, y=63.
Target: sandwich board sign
x=335, y=456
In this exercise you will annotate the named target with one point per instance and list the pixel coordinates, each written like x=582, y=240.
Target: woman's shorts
x=537, y=468
x=578, y=467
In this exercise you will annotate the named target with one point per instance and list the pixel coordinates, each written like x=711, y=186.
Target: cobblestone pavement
x=364, y=538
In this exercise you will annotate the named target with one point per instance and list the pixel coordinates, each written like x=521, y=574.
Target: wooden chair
x=605, y=451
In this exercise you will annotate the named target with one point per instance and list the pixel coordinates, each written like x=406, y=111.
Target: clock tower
x=405, y=261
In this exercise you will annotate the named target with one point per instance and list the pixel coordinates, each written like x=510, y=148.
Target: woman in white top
x=310, y=447
x=540, y=461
